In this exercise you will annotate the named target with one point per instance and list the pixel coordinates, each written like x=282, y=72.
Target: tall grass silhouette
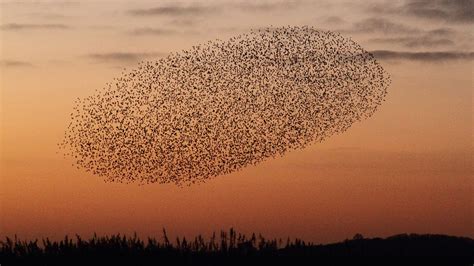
x=232, y=248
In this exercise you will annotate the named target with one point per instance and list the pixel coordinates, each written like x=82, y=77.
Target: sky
x=408, y=168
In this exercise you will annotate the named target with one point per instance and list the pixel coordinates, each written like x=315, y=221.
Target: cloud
x=334, y=20
x=48, y=15
x=449, y=10
x=47, y=4
x=122, y=57
x=185, y=21
x=381, y=25
x=173, y=10
x=14, y=63
x=152, y=31
x=414, y=42
x=432, y=38
x=423, y=56
x=16, y=27
x=101, y=27
x=195, y=9
x=456, y=11
x=259, y=6
x=442, y=31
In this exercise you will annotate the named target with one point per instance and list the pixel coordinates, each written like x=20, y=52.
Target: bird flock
x=224, y=105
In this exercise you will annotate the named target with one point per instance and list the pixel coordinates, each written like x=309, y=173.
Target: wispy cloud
x=200, y=9
x=17, y=27
x=48, y=15
x=262, y=6
x=123, y=57
x=381, y=25
x=190, y=21
x=41, y=3
x=334, y=20
x=15, y=63
x=423, y=56
x=173, y=10
x=415, y=42
x=152, y=31
x=432, y=38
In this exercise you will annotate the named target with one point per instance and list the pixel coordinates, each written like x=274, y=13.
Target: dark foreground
x=230, y=248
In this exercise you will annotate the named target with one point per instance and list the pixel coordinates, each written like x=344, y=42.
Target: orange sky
x=406, y=169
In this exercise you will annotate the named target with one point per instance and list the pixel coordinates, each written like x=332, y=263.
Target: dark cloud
x=423, y=56
x=173, y=10
x=16, y=27
x=457, y=11
x=122, y=57
x=381, y=25
x=152, y=31
x=449, y=10
x=14, y=63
